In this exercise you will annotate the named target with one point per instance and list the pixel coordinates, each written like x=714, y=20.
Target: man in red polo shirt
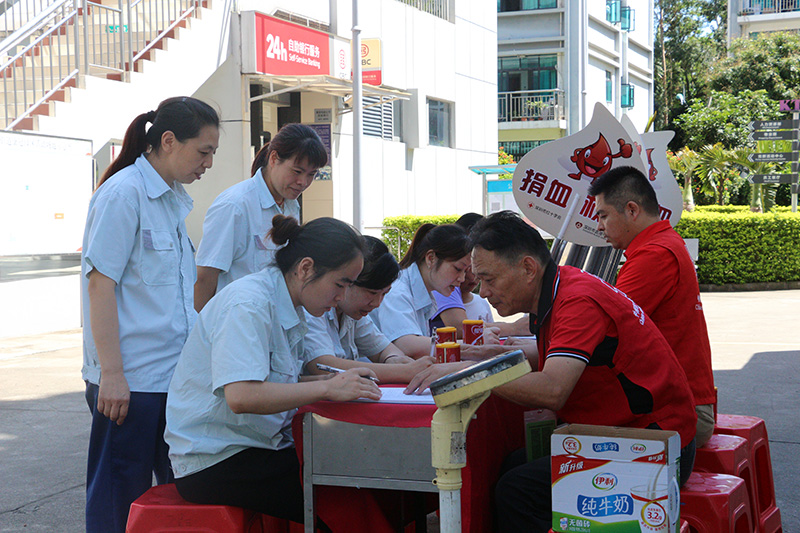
x=659, y=275
x=601, y=359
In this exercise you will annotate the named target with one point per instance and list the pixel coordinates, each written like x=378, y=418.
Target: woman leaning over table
x=236, y=388
x=138, y=268
x=235, y=228
x=345, y=337
x=437, y=259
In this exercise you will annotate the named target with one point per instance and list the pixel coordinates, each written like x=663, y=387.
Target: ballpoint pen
x=334, y=370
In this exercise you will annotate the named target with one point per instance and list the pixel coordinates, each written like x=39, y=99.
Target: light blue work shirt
x=235, y=230
x=250, y=331
x=135, y=234
x=407, y=308
x=349, y=339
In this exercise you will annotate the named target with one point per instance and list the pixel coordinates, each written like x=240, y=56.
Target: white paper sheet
x=395, y=395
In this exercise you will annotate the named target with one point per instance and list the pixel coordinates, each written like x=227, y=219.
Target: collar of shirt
x=420, y=297
x=155, y=186
x=289, y=316
x=331, y=315
x=546, y=297
x=645, y=235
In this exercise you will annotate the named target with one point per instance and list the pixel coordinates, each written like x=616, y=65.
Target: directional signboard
x=773, y=135
x=773, y=178
x=773, y=157
x=773, y=125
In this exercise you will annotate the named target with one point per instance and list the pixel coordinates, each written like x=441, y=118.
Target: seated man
x=601, y=359
x=659, y=276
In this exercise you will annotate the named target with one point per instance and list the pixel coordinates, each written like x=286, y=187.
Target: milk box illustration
x=612, y=479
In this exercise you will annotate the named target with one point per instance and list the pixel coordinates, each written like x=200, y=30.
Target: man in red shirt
x=601, y=359
x=659, y=275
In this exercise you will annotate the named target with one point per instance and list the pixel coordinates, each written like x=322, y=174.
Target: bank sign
x=283, y=48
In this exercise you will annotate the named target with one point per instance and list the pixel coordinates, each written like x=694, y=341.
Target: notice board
x=46, y=183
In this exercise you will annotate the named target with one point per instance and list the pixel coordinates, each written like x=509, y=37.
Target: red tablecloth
x=496, y=431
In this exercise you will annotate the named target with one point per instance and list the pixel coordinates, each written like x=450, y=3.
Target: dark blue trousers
x=123, y=459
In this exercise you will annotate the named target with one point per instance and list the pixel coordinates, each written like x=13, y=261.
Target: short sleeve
x=397, y=316
x=443, y=303
x=240, y=346
x=318, y=340
x=368, y=338
x=111, y=230
x=224, y=236
x=580, y=327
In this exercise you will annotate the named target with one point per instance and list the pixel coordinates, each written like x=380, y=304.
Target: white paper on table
x=395, y=395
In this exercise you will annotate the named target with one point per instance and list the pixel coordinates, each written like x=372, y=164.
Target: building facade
x=749, y=18
x=557, y=58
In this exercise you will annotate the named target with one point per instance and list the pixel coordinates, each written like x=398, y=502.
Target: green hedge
x=406, y=227
x=737, y=246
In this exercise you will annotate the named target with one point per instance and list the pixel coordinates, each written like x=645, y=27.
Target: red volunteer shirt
x=659, y=276
x=631, y=378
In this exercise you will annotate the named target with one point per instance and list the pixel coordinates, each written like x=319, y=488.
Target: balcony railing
x=759, y=7
x=516, y=106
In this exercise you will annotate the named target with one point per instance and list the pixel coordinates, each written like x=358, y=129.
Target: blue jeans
x=123, y=459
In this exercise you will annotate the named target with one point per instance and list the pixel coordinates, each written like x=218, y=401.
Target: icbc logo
x=571, y=445
x=364, y=50
x=578, y=225
x=342, y=59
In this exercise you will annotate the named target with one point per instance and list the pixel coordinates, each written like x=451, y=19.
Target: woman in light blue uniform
x=345, y=337
x=436, y=260
x=236, y=388
x=235, y=228
x=138, y=270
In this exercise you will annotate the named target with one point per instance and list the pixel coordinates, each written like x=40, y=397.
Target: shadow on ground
x=768, y=387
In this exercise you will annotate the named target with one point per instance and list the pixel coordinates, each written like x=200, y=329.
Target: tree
x=504, y=159
x=723, y=118
x=719, y=172
x=683, y=164
x=770, y=62
x=690, y=35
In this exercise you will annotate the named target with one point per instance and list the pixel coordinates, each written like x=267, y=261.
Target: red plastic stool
x=161, y=509
x=728, y=454
x=716, y=503
x=768, y=517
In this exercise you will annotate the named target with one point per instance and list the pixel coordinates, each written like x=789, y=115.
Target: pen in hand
x=334, y=370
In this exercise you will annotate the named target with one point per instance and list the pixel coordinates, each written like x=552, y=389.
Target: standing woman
x=137, y=271
x=437, y=260
x=235, y=389
x=235, y=229
x=345, y=336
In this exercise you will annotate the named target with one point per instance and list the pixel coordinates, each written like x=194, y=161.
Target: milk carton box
x=612, y=479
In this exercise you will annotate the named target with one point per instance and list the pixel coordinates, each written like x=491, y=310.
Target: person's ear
x=168, y=141
x=430, y=259
x=305, y=270
x=632, y=210
x=530, y=268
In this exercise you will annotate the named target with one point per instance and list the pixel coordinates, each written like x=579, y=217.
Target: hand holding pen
x=348, y=385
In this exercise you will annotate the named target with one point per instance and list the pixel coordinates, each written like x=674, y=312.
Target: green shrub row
x=404, y=227
x=736, y=246
x=743, y=247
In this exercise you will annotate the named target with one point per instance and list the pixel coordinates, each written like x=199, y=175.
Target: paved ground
x=44, y=420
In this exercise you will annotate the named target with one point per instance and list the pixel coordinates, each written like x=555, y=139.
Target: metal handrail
x=112, y=40
x=544, y=104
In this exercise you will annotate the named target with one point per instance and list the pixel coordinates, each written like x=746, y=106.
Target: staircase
x=48, y=48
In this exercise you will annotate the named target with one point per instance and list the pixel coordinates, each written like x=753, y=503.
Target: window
x=613, y=11
x=609, y=88
x=439, y=114
x=628, y=19
x=525, y=5
x=378, y=118
x=626, y=95
x=527, y=73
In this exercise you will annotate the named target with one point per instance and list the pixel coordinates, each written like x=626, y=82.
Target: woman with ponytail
x=137, y=266
x=437, y=260
x=236, y=225
x=345, y=337
x=236, y=388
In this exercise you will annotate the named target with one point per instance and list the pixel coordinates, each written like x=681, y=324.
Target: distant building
x=557, y=58
x=749, y=18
